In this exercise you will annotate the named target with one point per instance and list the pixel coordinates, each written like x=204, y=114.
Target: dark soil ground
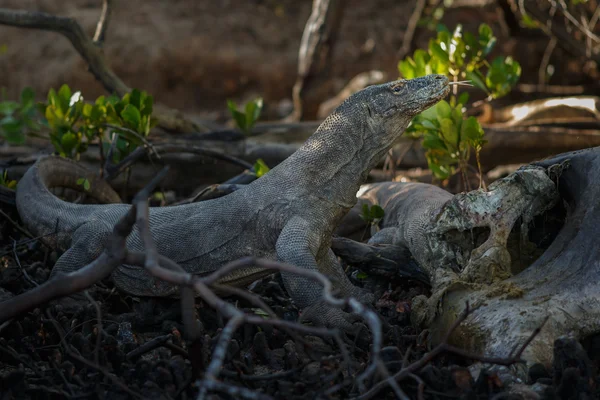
x=110, y=345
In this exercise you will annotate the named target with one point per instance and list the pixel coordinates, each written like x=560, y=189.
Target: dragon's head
x=392, y=105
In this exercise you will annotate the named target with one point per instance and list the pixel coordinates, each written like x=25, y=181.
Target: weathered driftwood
x=515, y=297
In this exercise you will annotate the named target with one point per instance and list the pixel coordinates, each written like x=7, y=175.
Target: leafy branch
x=447, y=135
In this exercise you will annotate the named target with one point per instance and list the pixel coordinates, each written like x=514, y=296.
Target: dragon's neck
x=334, y=161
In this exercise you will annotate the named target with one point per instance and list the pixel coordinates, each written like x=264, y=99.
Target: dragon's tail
x=43, y=213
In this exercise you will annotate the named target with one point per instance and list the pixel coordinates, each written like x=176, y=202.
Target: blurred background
x=294, y=61
x=193, y=55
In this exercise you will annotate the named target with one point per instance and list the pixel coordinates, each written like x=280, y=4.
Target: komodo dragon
x=408, y=207
x=289, y=214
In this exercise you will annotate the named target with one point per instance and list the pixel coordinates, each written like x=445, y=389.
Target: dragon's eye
x=398, y=87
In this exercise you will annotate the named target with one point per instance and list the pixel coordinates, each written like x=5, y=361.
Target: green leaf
x=463, y=98
x=477, y=79
x=84, y=182
x=27, y=96
x=68, y=142
x=260, y=168
x=421, y=59
x=12, y=130
x=260, y=312
x=87, y=110
x=377, y=212
x=131, y=115
x=253, y=109
x=433, y=142
x=406, y=69
x=97, y=113
x=457, y=116
x=147, y=106
x=437, y=51
x=55, y=102
x=135, y=98
x=443, y=110
x=365, y=214
x=427, y=124
x=529, y=22
x=111, y=113
x=8, y=107
x=487, y=40
x=438, y=171
x=472, y=46
x=361, y=275
x=64, y=98
x=502, y=75
x=471, y=131
x=238, y=117
x=430, y=113
x=449, y=131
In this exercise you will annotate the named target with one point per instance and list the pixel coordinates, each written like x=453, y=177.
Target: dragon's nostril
x=439, y=77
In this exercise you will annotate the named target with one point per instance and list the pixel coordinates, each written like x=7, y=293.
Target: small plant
x=260, y=168
x=74, y=124
x=85, y=183
x=8, y=183
x=18, y=117
x=246, y=120
x=372, y=215
x=447, y=136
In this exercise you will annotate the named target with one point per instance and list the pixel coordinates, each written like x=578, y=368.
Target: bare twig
x=219, y=353
x=64, y=285
x=98, y=326
x=102, y=25
x=315, y=47
x=17, y=226
x=573, y=20
x=564, y=39
x=410, y=369
x=84, y=361
x=147, y=144
x=148, y=346
x=546, y=60
x=411, y=28
x=23, y=271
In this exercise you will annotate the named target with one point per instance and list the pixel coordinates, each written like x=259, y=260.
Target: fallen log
x=524, y=252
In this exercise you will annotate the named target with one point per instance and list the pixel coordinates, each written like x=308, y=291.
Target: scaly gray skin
x=409, y=208
x=289, y=214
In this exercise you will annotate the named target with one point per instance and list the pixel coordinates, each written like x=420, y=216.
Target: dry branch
x=560, y=32
x=409, y=370
x=315, y=48
x=102, y=26
x=91, y=52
